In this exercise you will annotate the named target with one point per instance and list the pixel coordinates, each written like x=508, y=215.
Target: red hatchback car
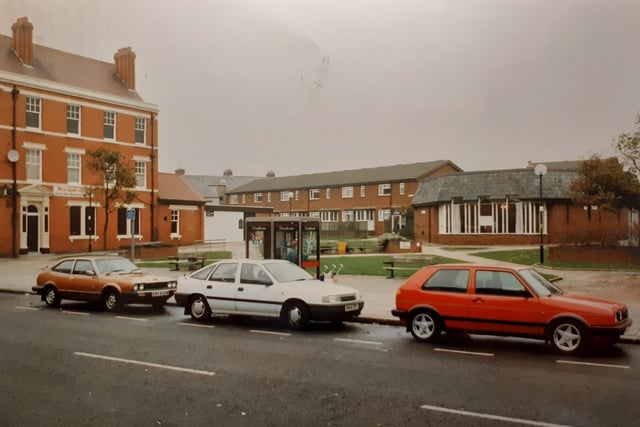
x=504, y=301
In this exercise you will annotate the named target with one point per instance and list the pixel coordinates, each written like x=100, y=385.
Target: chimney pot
x=23, y=40
x=180, y=172
x=125, y=60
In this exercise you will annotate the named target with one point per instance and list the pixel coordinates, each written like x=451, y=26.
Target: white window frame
x=33, y=106
x=141, y=174
x=384, y=189
x=74, y=164
x=401, y=189
x=347, y=192
x=33, y=161
x=244, y=198
x=384, y=215
x=141, y=126
x=257, y=197
x=327, y=193
x=314, y=194
x=175, y=219
x=365, y=214
x=233, y=199
x=363, y=190
x=109, y=120
x=269, y=197
x=285, y=195
x=329, y=215
x=348, y=216
x=74, y=112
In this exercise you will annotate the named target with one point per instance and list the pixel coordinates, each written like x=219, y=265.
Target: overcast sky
x=304, y=86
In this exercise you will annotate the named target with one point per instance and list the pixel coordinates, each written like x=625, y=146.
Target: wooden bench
x=193, y=262
x=418, y=262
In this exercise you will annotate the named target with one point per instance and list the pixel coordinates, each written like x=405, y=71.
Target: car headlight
x=173, y=285
x=331, y=299
x=138, y=287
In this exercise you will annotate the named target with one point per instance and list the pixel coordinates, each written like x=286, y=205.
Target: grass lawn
x=532, y=256
x=372, y=265
x=163, y=263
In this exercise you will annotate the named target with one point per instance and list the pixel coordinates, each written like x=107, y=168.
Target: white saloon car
x=270, y=288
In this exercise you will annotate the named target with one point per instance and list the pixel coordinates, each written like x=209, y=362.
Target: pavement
x=18, y=276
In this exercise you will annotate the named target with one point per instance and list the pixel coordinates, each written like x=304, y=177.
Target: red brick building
x=55, y=107
x=503, y=207
x=376, y=198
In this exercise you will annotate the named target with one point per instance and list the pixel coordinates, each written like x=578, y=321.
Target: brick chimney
x=23, y=40
x=126, y=67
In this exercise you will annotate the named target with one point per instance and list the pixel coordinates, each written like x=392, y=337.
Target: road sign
x=131, y=214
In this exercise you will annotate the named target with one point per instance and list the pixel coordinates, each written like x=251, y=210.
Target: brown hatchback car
x=112, y=280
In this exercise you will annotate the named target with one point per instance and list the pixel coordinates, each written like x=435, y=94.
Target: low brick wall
x=402, y=246
x=151, y=251
x=596, y=254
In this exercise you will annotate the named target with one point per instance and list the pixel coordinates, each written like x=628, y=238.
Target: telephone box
x=294, y=238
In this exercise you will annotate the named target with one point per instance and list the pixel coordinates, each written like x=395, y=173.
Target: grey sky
x=301, y=86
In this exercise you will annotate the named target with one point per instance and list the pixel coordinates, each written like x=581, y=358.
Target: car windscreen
x=115, y=266
x=287, y=272
x=541, y=286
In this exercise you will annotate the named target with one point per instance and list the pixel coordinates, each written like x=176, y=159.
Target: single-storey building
x=514, y=206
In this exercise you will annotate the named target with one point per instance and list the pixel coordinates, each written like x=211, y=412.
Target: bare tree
x=629, y=147
x=114, y=180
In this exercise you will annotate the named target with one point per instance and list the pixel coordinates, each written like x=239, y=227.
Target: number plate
x=159, y=293
x=350, y=307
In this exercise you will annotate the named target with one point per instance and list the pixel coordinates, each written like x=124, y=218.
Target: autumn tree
x=114, y=180
x=605, y=183
x=629, y=147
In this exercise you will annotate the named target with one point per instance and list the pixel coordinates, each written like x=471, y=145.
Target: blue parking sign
x=131, y=214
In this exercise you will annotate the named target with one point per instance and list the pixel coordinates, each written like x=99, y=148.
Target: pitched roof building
x=55, y=108
x=378, y=198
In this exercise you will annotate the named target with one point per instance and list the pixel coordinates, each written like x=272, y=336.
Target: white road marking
x=138, y=319
x=282, y=334
x=491, y=417
x=601, y=365
x=79, y=313
x=357, y=341
x=137, y=362
x=18, y=307
x=195, y=325
x=472, y=353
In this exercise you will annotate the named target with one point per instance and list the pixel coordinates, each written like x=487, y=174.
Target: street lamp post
x=541, y=170
x=290, y=194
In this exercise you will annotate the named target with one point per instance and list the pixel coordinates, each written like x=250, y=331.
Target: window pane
x=74, y=221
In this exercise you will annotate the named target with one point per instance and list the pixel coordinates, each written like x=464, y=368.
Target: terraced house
x=55, y=107
x=370, y=200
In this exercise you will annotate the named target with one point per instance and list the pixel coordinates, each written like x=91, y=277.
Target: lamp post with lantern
x=541, y=170
x=290, y=194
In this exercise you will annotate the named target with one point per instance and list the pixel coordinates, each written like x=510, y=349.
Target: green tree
x=605, y=183
x=114, y=179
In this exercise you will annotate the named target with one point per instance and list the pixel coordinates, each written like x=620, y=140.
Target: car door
x=83, y=281
x=61, y=276
x=256, y=293
x=220, y=288
x=502, y=304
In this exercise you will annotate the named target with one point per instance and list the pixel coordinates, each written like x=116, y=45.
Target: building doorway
x=33, y=228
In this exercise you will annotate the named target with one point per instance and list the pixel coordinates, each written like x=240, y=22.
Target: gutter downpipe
x=14, y=191
x=154, y=228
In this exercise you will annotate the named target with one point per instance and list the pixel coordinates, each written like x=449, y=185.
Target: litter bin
x=342, y=247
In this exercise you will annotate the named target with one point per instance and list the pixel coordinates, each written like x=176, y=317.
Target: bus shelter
x=294, y=238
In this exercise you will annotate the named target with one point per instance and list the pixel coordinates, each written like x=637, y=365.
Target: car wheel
x=425, y=326
x=199, y=308
x=51, y=297
x=568, y=336
x=112, y=300
x=295, y=315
